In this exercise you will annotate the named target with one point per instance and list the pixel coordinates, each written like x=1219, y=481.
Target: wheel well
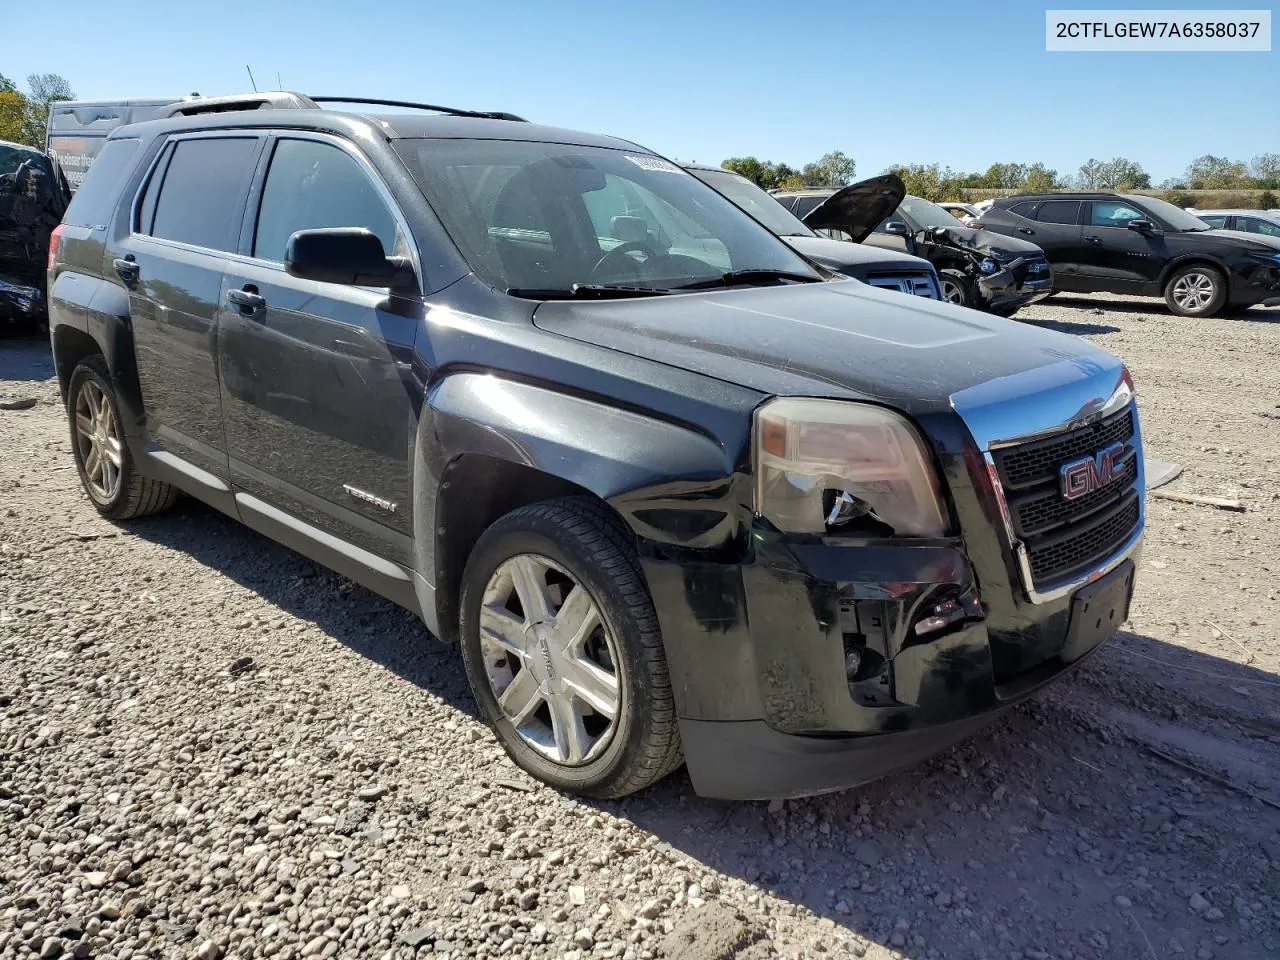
x=70, y=347
x=1177, y=265
x=475, y=491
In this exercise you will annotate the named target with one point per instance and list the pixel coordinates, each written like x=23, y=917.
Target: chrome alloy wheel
x=951, y=292
x=98, y=439
x=550, y=660
x=1193, y=291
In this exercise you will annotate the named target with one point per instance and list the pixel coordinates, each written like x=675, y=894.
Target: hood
x=1237, y=238
x=838, y=339
x=859, y=206
x=842, y=255
x=984, y=242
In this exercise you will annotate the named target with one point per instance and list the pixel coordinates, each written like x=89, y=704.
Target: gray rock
x=208, y=950
x=417, y=936
x=371, y=793
x=1198, y=903
x=52, y=947
x=868, y=853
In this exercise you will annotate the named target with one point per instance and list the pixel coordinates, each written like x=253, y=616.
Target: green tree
x=1215, y=173
x=763, y=173
x=44, y=89
x=928, y=180
x=833, y=169
x=1038, y=179
x=1118, y=173
x=1265, y=170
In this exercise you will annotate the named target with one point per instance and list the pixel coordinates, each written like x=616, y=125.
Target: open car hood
x=859, y=207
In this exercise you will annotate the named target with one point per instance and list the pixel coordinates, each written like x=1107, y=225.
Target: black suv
x=673, y=500
x=1121, y=243
x=978, y=269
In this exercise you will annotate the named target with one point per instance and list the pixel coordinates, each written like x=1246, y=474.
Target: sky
x=960, y=84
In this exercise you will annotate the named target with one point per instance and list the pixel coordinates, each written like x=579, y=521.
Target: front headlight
x=1267, y=256
x=988, y=265
x=826, y=465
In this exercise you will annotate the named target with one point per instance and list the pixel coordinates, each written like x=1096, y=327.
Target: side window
x=1258, y=225
x=1060, y=211
x=1218, y=222
x=147, y=210
x=1114, y=213
x=202, y=193
x=1023, y=208
x=314, y=185
x=806, y=205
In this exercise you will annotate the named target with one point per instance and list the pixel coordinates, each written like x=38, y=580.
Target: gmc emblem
x=1083, y=476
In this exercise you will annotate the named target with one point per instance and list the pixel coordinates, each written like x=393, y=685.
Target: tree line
x=936, y=182
x=24, y=115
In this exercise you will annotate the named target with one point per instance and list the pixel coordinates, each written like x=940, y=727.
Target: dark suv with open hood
x=33, y=196
x=978, y=269
x=1125, y=243
x=890, y=269
x=673, y=497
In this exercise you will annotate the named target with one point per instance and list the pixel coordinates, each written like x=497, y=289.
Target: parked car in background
x=964, y=212
x=989, y=272
x=33, y=197
x=890, y=269
x=1265, y=222
x=675, y=497
x=1124, y=243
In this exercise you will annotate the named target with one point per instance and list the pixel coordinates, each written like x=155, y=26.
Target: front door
x=171, y=261
x=1113, y=256
x=317, y=390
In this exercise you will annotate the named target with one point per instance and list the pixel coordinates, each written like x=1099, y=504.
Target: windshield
x=1175, y=218
x=551, y=217
x=924, y=214
x=754, y=201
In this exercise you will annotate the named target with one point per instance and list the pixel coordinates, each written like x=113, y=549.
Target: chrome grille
x=915, y=284
x=1063, y=537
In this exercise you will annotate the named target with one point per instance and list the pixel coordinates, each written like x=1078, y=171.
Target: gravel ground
x=210, y=747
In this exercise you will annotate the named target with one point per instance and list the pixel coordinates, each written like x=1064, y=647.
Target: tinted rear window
x=202, y=196
x=96, y=199
x=1059, y=211
x=1023, y=208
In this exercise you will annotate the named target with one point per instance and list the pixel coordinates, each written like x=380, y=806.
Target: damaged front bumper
x=759, y=655
x=21, y=300
x=1014, y=285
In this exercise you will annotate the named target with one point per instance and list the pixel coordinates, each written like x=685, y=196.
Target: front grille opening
x=1081, y=549
x=1037, y=462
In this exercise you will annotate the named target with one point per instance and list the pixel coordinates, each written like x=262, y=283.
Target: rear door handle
x=1027, y=230
x=128, y=269
x=248, y=300
x=1094, y=239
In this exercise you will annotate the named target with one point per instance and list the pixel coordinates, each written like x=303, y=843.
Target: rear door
x=1055, y=227
x=185, y=221
x=317, y=383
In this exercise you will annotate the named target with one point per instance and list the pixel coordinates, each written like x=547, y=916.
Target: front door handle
x=247, y=299
x=1097, y=240
x=128, y=269
x=1027, y=230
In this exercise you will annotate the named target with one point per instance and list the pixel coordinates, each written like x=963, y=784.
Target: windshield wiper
x=747, y=277
x=585, y=291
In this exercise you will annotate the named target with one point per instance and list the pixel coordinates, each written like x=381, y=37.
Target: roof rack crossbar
x=452, y=111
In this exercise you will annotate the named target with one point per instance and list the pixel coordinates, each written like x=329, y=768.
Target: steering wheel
x=620, y=251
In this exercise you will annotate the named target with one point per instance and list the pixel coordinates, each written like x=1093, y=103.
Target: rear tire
x=107, y=471
x=1196, y=290
x=549, y=698
x=956, y=288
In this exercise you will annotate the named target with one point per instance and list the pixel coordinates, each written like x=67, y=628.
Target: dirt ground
x=211, y=747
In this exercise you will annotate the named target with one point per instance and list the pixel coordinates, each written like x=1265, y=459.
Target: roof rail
x=267, y=100
x=452, y=111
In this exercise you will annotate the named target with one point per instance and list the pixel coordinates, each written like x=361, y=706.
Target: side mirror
x=1143, y=226
x=346, y=255
x=898, y=228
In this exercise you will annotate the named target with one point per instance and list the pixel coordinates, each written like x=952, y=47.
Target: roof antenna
x=251, y=80
x=279, y=82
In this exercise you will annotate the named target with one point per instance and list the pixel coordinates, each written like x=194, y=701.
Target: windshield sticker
x=656, y=164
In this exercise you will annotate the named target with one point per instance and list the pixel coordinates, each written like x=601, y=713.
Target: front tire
x=1196, y=290
x=563, y=651
x=956, y=288
x=107, y=471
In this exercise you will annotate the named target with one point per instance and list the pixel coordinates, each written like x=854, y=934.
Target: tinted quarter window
x=202, y=194
x=311, y=186
x=1023, y=209
x=1113, y=213
x=1059, y=211
x=94, y=202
